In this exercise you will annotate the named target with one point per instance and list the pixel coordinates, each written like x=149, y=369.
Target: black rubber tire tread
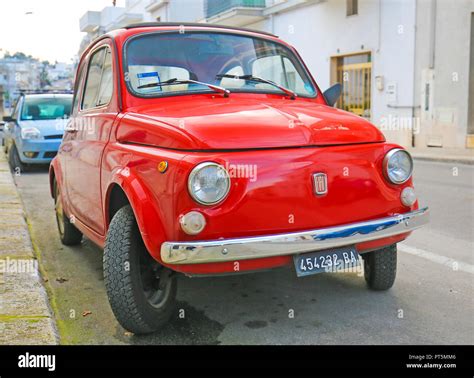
x=380, y=268
x=14, y=160
x=71, y=236
x=124, y=288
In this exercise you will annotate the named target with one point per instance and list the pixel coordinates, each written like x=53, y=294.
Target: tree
x=20, y=56
x=44, y=79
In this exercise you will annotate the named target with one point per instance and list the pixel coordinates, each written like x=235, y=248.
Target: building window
x=351, y=7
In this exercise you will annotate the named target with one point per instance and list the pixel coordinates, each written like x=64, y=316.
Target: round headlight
x=397, y=166
x=209, y=183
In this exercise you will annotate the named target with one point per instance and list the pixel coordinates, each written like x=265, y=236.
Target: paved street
x=431, y=302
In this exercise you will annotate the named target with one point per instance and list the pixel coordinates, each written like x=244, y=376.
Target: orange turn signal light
x=163, y=166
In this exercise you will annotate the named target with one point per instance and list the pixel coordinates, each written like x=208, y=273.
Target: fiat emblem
x=320, y=181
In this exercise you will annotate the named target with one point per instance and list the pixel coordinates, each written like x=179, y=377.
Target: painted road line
x=439, y=259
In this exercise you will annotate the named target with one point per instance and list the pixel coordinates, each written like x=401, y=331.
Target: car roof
x=125, y=32
x=179, y=25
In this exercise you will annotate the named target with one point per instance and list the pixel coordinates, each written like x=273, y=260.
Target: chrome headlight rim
x=196, y=170
x=386, y=161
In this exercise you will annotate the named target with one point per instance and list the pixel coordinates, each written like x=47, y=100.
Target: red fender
x=144, y=206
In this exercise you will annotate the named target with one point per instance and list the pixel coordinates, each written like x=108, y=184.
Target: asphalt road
x=430, y=303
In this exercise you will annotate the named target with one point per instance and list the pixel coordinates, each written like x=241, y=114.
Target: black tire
x=380, y=268
x=15, y=162
x=142, y=293
x=68, y=233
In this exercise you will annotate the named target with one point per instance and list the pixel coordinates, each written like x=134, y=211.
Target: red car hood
x=243, y=124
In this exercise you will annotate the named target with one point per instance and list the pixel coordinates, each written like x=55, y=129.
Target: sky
x=51, y=32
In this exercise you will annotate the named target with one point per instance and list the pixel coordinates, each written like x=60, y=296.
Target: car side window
x=107, y=82
x=77, y=91
x=94, y=74
x=99, y=81
x=16, y=109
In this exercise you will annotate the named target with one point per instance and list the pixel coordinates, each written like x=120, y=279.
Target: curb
x=25, y=315
x=444, y=159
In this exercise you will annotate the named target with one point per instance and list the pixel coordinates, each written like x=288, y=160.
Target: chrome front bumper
x=211, y=251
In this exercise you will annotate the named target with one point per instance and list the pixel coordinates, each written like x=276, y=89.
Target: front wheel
x=14, y=159
x=380, y=268
x=141, y=292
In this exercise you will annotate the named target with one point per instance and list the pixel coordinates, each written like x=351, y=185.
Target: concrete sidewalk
x=448, y=155
x=25, y=315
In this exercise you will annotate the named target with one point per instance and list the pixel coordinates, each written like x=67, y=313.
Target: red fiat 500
x=208, y=150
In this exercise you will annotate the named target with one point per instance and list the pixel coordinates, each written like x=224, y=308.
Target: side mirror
x=9, y=119
x=332, y=94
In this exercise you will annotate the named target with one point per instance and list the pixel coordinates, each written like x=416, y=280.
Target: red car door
x=90, y=133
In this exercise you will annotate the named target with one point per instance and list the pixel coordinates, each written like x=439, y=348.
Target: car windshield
x=210, y=58
x=44, y=108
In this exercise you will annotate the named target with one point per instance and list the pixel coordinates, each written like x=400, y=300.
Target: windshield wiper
x=257, y=79
x=176, y=81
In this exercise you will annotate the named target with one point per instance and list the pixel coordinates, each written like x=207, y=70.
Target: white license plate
x=327, y=261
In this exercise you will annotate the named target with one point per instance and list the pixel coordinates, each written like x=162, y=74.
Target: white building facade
x=16, y=75
x=407, y=65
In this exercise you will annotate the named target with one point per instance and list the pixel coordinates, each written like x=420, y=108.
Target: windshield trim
x=207, y=91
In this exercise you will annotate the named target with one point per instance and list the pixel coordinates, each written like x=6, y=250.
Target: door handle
x=66, y=148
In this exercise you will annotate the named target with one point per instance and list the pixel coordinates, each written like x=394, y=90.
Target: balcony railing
x=214, y=7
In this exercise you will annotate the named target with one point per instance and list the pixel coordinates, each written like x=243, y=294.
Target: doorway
x=354, y=72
